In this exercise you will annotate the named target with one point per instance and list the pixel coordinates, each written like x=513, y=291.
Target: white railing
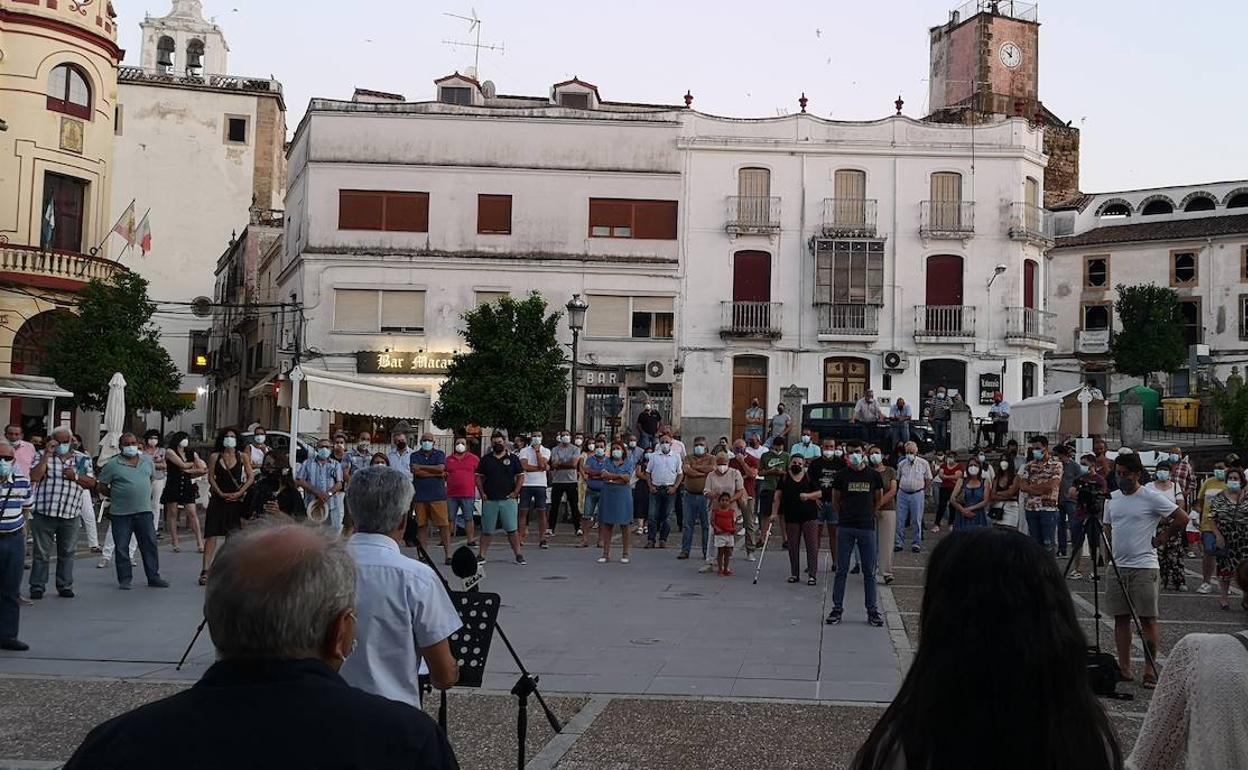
x=855, y=320
x=946, y=219
x=849, y=216
x=65, y=265
x=750, y=319
x=944, y=321
x=1029, y=323
x=753, y=214
x=1029, y=222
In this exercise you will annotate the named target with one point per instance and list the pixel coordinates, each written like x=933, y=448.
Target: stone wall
x=1061, y=176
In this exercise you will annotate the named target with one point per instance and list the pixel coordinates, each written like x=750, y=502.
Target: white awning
x=262, y=387
x=1057, y=413
x=350, y=394
x=30, y=386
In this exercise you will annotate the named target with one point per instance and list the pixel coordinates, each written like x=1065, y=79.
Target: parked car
x=832, y=420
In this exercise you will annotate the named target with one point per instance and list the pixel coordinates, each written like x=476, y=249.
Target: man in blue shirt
x=15, y=494
x=320, y=478
x=429, y=479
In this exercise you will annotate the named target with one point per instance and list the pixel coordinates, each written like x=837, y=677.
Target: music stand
x=471, y=644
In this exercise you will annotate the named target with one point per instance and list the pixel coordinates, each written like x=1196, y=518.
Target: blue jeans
x=695, y=513
x=846, y=539
x=661, y=505
x=12, y=558
x=909, y=511
x=144, y=530
x=1042, y=526
x=899, y=434
x=593, y=504
x=942, y=433
x=1065, y=520
x=459, y=509
x=51, y=532
x=646, y=440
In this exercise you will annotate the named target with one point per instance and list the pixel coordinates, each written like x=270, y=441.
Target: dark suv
x=832, y=420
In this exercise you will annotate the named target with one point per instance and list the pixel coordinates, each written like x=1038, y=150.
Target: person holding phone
x=59, y=477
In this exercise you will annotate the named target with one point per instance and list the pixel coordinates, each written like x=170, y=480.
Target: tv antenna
x=474, y=28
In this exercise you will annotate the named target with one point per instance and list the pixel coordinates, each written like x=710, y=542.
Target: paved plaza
x=649, y=664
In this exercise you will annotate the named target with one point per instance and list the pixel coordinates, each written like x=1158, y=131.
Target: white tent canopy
x=349, y=394
x=1056, y=413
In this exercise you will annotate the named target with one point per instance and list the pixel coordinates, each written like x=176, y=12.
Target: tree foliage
x=514, y=374
x=113, y=332
x=1150, y=339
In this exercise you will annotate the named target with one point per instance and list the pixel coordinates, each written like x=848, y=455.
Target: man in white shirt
x=999, y=413
x=914, y=476
x=1131, y=517
x=535, y=460
x=663, y=476
x=867, y=410
x=403, y=613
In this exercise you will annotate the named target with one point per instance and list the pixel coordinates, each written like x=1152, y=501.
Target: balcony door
x=754, y=189
x=944, y=294
x=749, y=381
x=751, y=291
x=850, y=206
x=845, y=379
x=60, y=217
x=1031, y=196
x=946, y=201
x=1031, y=319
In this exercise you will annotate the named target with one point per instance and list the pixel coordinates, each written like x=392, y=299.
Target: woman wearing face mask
x=970, y=499
x=616, y=502
x=156, y=453
x=183, y=466
x=885, y=517
x=1229, y=514
x=1170, y=554
x=275, y=493
x=950, y=472
x=1004, y=508
x=592, y=467
x=229, y=481
x=1209, y=489
x=259, y=447
x=796, y=500
x=641, y=492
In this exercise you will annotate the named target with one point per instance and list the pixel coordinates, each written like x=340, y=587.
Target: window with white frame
x=650, y=318
x=379, y=311
x=849, y=272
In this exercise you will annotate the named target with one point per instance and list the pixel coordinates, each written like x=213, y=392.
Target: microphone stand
x=525, y=686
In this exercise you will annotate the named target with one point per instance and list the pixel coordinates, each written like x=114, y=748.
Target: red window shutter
x=494, y=214
x=359, y=210
x=407, y=212
x=655, y=220
x=606, y=212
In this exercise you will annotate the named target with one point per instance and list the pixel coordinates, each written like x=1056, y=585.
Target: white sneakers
x=1205, y=588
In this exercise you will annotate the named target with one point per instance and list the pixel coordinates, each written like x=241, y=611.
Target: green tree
x=113, y=332
x=514, y=374
x=1233, y=405
x=1150, y=339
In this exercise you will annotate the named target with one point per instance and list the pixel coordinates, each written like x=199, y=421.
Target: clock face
x=1011, y=55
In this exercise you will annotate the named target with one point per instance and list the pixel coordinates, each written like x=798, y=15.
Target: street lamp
x=577, y=308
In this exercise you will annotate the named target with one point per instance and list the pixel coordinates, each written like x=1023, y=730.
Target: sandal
x=177, y=549
x=1149, y=682
x=792, y=578
x=203, y=577
x=810, y=581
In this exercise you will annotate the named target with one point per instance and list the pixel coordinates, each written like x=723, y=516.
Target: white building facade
x=833, y=257
x=203, y=151
x=1192, y=238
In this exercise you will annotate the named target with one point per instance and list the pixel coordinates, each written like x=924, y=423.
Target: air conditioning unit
x=659, y=373
x=896, y=360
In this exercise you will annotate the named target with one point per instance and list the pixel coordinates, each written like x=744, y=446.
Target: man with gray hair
x=280, y=610
x=127, y=482
x=403, y=612
x=59, y=476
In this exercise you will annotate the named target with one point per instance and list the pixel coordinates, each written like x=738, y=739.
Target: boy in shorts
x=724, y=522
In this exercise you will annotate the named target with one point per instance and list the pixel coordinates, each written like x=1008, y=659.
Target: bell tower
x=183, y=43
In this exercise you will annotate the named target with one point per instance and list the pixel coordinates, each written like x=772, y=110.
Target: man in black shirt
x=648, y=427
x=499, y=480
x=824, y=469
x=857, y=496
x=280, y=610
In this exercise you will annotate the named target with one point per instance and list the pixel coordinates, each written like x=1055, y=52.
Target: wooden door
x=1029, y=283
x=944, y=294
x=66, y=197
x=749, y=381
x=751, y=276
x=845, y=379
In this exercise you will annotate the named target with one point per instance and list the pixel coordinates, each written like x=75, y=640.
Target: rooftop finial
x=899, y=104
x=688, y=98
x=801, y=102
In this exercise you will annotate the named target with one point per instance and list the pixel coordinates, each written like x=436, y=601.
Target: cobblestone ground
x=611, y=731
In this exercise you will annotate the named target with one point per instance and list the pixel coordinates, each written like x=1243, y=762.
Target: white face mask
x=721, y=468
x=972, y=471
x=1005, y=465
x=461, y=448
x=184, y=443
x=829, y=453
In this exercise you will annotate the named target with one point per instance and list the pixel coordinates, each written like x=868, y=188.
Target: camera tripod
x=1095, y=537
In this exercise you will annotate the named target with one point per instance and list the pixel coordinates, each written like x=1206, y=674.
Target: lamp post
x=577, y=308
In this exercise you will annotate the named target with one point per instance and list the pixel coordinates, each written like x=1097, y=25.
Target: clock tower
x=985, y=64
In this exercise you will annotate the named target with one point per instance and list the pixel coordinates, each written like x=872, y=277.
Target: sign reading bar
x=373, y=362
x=988, y=384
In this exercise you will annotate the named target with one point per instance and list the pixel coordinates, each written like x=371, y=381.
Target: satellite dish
x=201, y=306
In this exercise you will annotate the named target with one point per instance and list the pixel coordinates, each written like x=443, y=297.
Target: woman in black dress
x=229, y=480
x=182, y=467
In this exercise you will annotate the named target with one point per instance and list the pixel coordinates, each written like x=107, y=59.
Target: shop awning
x=350, y=394
x=263, y=387
x=30, y=386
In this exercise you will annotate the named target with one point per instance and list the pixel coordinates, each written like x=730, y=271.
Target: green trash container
x=1151, y=400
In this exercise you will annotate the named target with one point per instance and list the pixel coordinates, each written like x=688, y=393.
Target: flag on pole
x=49, y=224
x=143, y=234
x=125, y=226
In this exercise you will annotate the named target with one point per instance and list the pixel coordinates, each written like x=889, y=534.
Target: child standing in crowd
x=724, y=520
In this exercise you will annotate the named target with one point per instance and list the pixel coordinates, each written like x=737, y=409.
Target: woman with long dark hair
x=183, y=466
x=1022, y=699
x=229, y=481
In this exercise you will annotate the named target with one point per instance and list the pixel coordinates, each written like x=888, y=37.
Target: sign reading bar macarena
x=374, y=362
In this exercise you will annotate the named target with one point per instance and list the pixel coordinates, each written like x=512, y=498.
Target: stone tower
x=182, y=43
x=985, y=62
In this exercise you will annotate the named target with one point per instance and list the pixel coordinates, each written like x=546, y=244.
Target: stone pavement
x=620, y=650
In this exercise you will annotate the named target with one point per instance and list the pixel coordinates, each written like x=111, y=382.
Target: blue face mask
x=855, y=459
x=1174, y=458
x=1037, y=454
x=699, y=450
x=426, y=445
x=62, y=449
x=1233, y=486
x=6, y=468
x=1083, y=470
x=1163, y=475
x=535, y=441
x=876, y=458
x=323, y=453
x=130, y=451
x=1219, y=474
x=229, y=442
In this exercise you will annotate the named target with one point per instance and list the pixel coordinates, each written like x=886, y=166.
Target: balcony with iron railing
x=946, y=219
x=1029, y=222
x=53, y=269
x=845, y=321
x=849, y=217
x=753, y=214
x=1029, y=326
x=944, y=323
x=750, y=319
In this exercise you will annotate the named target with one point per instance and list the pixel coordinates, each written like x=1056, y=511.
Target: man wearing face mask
x=824, y=470
x=939, y=411
x=361, y=455
x=859, y=493
x=1181, y=472
x=461, y=488
x=648, y=426
x=723, y=479
x=755, y=417
x=1131, y=517
x=806, y=448
x=535, y=459
x=17, y=498
x=1041, y=478
x=320, y=478
x=565, y=471
x=126, y=480
x=696, y=468
x=781, y=427
x=663, y=477
x=59, y=477
x=499, y=481
x=747, y=465
x=914, y=478
x=259, y=446
x=429, y=480
x=24, y=451
x=867, y=411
